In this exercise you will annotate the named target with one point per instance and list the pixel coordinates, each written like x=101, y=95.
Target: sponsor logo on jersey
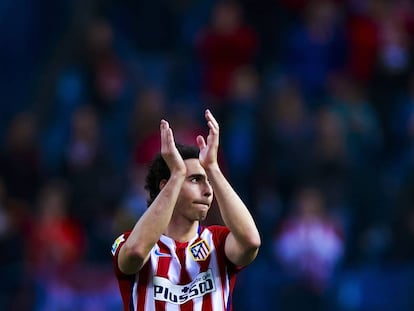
x=164, y=290
x=200, y=250
x=118, y=241
x=159, y=254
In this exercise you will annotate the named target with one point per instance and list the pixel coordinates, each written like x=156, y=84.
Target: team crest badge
x=200, y=250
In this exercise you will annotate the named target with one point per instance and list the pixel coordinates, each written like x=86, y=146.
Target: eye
x=197, y=179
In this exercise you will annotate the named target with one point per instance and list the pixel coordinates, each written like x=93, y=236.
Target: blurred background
x=316, y=104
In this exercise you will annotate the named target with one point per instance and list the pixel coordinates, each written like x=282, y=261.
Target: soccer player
x=169, y=261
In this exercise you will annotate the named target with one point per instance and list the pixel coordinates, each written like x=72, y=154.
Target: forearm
x=151, y=225
x=234, y=212
x=242, y=243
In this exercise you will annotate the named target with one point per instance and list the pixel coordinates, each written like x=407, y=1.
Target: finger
x=170, y=137
x=166, y=135
x=210, y=118
x=163, y=128
x=201, y=143
x=164, y=125
x=162, y=136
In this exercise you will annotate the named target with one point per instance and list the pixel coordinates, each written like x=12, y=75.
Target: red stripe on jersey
x=222, y=265
x=162, y=271
x=125, y=287
x=125, y=282
x=227, y=270
x=184, y=275
x=142, y=287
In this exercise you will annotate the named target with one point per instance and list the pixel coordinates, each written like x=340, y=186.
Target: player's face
x=196, y=193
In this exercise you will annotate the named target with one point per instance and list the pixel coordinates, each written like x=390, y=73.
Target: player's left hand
x=209, y=148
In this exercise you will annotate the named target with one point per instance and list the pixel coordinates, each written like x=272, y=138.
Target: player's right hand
x=169, y=151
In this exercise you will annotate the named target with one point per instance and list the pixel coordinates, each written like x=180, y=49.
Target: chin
x=203, y=216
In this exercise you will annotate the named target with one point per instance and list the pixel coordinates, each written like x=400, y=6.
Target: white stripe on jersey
x=135, y=294
x=217, y=298
x=173, y=270
x=148, y=296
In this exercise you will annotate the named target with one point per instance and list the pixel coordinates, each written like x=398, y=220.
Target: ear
x=162, y=183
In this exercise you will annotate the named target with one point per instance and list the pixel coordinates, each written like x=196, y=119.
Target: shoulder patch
x=115, y=245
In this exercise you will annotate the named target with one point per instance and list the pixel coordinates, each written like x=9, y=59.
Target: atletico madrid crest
x=200, y=250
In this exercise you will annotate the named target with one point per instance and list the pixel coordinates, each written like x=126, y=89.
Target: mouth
x=205, y=204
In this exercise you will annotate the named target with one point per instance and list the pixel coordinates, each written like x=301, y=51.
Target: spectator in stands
x=315, y=49
x=309, y=244
x=57, y=242
x=20, y=159
x=223, y=46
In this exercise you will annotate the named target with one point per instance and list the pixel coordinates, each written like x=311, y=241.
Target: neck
x=181, y=232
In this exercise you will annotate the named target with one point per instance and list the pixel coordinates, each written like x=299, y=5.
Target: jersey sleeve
x=220, y=234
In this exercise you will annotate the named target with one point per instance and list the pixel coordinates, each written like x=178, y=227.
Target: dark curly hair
x=158, y=170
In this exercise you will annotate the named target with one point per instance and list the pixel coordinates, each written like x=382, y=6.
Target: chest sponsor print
x=165, y=290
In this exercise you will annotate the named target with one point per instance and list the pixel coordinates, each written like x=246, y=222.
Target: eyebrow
x=202, y=176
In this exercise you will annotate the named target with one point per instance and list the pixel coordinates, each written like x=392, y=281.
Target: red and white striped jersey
x=195, y=275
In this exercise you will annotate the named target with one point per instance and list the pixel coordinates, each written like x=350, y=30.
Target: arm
x=147, y=231
x=243, y=241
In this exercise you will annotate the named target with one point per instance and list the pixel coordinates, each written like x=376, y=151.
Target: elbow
x=251, y=249
x=254, y=241
x=134, y=252
x=255, y=244
x=243, y=250
x=258, y=242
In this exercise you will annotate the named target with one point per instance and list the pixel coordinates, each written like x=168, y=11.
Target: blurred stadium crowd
x=316, y=104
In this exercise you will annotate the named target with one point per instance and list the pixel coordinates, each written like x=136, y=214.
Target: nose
x=208, y=190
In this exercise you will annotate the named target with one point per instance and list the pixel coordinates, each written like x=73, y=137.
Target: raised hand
x=169, y=151
x=209, y=148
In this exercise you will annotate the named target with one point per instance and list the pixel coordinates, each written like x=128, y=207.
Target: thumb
x=201, y=143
